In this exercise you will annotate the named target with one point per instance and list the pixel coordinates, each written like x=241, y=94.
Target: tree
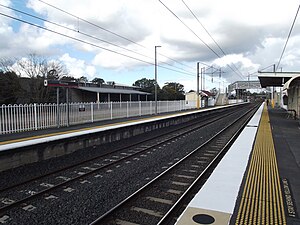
x=11, y=90
x=68, y=78
x=32, y=66
x=147, y=85
x=56, y=70
x=36, y=68
x=98, y=81
x=6, y=65
x=172, y=91
x=83, y=79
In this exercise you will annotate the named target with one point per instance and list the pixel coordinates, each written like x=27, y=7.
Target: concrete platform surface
x=286, y=136
x=262, y=168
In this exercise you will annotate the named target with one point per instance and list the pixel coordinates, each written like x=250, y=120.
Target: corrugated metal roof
x=113, y=90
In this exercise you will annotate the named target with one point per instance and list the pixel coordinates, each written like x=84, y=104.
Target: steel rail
x=216, y=160
x=105, y=216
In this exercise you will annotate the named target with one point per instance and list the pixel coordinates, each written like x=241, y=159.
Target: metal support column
x=68, y=107
x=57, y=107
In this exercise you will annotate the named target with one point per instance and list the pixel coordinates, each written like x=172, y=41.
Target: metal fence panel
x=27, y=117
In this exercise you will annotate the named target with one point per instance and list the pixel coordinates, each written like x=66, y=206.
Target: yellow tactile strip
x=261, y=201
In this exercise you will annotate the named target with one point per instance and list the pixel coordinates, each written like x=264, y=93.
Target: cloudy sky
x=115, y=39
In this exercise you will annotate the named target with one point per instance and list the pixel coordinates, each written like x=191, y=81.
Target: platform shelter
x=289, y=95
x=291, y=91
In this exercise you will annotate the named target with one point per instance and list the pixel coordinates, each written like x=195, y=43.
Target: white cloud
x=78, y=67
x=252, y=33
x=234, y=59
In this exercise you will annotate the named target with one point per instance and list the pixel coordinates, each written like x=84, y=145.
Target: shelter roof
x=112, y=90
x=275, y=79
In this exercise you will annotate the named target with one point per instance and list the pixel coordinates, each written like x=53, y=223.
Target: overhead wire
x=72, y=29
x=90, y=36
x=113, y=33
x=89, y=43
x=194, y=15
x=90, y=23
x=191, y=30
x=120, y=36
x=288, y=37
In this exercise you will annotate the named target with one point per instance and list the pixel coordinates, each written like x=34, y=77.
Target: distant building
x=207, y=98
x=243, y=85
x=93, y=92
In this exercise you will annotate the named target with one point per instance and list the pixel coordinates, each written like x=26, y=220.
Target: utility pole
x=157, y=46
x=201, y=77
x=203, y=71
x=220, y=74
x=272, y=94
x=197, y=99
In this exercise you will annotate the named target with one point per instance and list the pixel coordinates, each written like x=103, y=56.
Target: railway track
x=160, y=138
x=22, y=194
x=158, y=201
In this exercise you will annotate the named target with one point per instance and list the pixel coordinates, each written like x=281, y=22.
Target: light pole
x=197, y=99
x=157, y=46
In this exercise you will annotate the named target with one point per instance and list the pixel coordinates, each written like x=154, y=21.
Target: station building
x=289, y=95
x=93, y=92
x=207, y=98
x=90, y=92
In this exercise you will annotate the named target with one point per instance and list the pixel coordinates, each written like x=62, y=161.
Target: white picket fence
x=27, y=117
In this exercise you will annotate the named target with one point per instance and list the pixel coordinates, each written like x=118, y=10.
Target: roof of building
x=202, y=92
x=111, y=87
x=206, y=93
x=113, y=90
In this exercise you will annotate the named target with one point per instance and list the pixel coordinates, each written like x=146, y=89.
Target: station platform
x=19, y=149
x=258, y=180
x=21, y=139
